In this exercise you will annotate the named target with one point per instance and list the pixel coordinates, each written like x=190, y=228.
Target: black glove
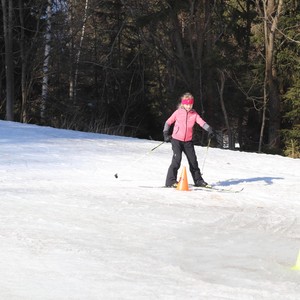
x=211, y=132
x=167, y=137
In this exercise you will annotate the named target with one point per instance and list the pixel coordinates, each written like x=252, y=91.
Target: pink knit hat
x=189, y=100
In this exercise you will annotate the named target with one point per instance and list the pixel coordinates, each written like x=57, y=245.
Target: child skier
x=185, y=118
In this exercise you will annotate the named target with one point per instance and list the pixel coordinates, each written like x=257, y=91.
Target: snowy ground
x=71, y=230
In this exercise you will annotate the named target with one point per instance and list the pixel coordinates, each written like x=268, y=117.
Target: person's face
x=187, y=107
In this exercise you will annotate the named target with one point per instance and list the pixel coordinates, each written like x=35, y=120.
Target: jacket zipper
x=186, y=121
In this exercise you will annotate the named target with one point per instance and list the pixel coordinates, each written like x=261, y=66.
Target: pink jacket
x=184, y=123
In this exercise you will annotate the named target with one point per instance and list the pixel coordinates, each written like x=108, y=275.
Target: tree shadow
x=267, y=180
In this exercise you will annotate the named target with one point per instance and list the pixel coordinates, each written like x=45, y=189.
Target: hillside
x=71, y=230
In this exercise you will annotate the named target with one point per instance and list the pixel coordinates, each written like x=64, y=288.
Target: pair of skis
x=208, y=188
x=216, y=189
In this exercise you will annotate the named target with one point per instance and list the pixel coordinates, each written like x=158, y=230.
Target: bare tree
x=270, y=11
x=46, y=61
x=24, y=64
x=80, y=47
x=231, y=140
x=9, y=65
x=74, y=50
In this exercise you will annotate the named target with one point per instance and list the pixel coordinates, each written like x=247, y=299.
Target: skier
x=184, y=118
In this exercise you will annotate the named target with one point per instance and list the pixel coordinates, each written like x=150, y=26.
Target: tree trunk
x=271, y=12
x=46, y=62
x=202, y=17
x=231, y=140
x=9, y=65
x=264, y=110
x=208, y=72
x=23, y=117
x=79, y=49
x=182, y=66
x=71, y=51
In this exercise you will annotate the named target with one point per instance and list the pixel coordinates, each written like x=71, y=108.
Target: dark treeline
x=120, y=66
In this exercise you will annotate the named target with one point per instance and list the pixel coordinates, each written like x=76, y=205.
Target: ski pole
x=157, y=146
x=140, y=158
x=208, y=144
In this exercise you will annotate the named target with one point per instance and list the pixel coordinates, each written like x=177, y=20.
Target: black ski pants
x=189, y=150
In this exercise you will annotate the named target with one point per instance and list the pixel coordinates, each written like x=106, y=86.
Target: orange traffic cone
x=183, y=181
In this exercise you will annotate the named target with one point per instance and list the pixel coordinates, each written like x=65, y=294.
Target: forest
x=120, y=66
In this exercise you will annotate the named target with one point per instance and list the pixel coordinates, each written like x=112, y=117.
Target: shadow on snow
x=267, y=180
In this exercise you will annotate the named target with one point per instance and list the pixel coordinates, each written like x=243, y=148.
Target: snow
x=71, y=230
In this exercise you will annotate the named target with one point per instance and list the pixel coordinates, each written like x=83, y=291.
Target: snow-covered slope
x=71, y=230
